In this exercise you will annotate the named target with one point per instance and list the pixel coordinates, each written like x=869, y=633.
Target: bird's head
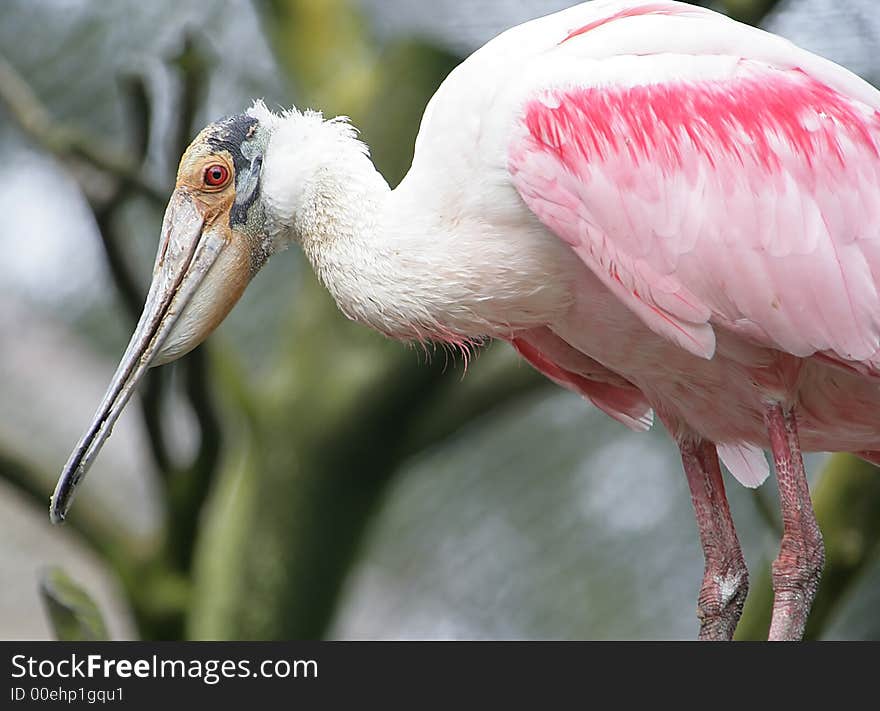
x=214, y=239
x=246, y=187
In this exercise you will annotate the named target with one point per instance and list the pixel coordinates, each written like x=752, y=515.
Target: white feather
x=428, y=260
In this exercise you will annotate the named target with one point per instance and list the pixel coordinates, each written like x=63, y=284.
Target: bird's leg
x=725, y=580
x=798, y=567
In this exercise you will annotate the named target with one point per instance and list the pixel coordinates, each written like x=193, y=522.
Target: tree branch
x=751, y=11
x=66, y=141
x=500, y=386
x=92, y=528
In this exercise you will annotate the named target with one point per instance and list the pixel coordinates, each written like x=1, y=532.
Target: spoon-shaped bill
x=186, y=253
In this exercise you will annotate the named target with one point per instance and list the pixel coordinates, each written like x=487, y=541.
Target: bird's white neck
x=378, y=257
x=430, y=260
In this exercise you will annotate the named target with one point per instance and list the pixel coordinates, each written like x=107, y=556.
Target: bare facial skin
x=203, y=264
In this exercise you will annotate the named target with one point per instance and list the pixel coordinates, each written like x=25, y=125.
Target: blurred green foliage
x=72, y=613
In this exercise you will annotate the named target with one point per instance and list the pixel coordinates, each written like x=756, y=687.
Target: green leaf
x=74, y=616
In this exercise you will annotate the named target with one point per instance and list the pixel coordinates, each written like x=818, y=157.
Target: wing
x=711, y=175
x=610, y=392
x=619, y=398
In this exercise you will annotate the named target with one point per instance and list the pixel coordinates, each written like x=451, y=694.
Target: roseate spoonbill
x=662, y=209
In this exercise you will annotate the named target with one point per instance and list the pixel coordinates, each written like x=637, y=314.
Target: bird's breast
x=723, y=398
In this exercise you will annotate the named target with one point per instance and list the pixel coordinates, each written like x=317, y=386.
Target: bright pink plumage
x=721, y=188
x=727, y=200
x=722, y=184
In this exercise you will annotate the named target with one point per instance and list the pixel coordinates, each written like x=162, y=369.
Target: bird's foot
x=796, y=574
x=722, y=598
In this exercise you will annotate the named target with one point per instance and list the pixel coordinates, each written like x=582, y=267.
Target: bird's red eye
x=216, y=175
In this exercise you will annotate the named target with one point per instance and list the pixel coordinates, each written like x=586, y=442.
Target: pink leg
x=725, y=580
x=797, y=569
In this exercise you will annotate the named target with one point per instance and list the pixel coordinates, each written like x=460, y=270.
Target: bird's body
x=484, y=236
x=660, y=208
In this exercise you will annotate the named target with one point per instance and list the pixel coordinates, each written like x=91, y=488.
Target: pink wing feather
x=606, y=390
x=710, y=191
x=619, y=398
